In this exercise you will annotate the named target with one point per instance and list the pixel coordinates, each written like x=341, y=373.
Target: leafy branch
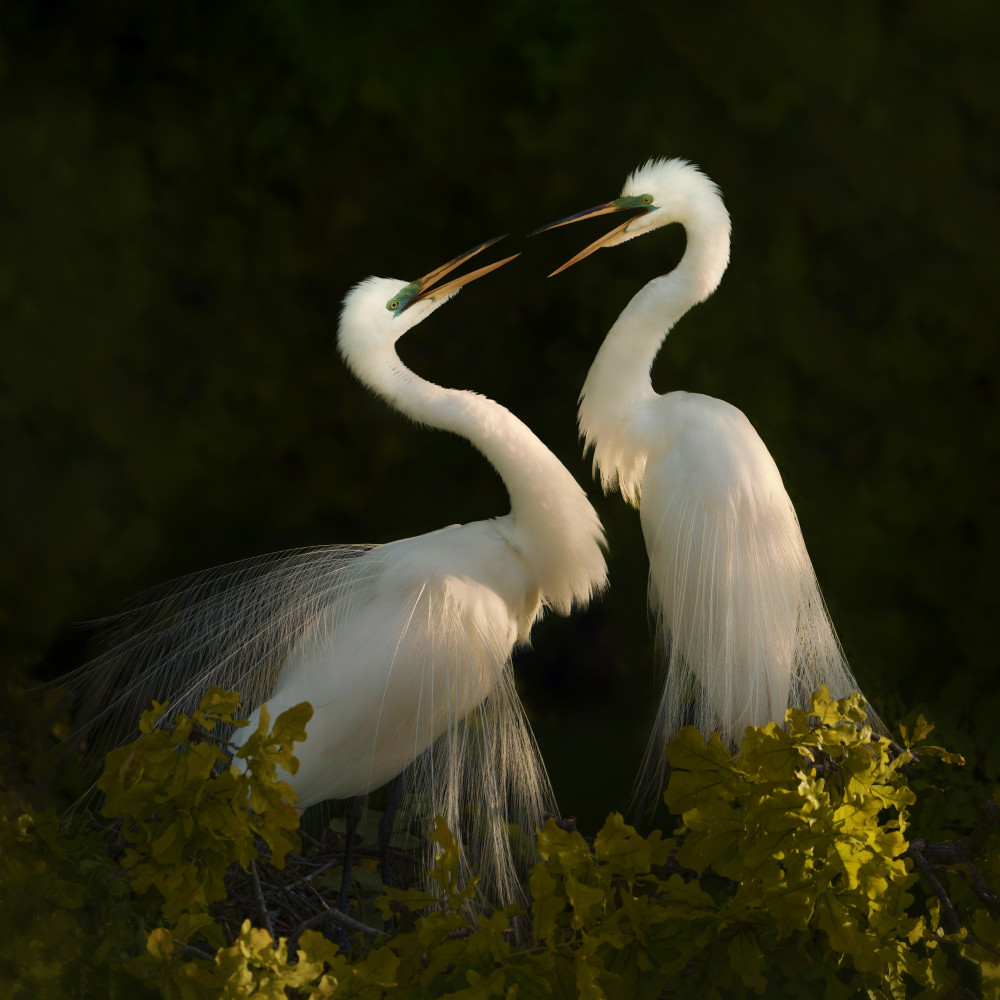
x=792, y=871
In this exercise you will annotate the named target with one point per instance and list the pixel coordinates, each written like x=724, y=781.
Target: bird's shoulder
x=477, y=553
x=693, y=410
x=699, y=438
x=696, y=421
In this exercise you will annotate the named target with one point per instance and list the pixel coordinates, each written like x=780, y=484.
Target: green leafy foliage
x=67, y=923
x=182, y=815
x=251, y=967
x=188, y=813
x=793, y=872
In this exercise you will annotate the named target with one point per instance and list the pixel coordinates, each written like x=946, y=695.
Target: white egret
x=742, y=626
x=403, y=649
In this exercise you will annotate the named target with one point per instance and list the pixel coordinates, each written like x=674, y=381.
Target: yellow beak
x=427, y=283
x=589, y=213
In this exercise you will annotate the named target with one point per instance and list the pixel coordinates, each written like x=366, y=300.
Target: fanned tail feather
x=742, y=628
x=239, y=626
x=484, y=774
x=233, y=627
x=486, y=778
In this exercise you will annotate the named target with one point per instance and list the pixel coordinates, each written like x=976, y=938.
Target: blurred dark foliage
x=187, y=191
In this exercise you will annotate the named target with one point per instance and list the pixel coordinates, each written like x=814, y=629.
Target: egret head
x=377, y=311
x=657, y=193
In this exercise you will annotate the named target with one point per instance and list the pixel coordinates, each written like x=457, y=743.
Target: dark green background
x=188, y=190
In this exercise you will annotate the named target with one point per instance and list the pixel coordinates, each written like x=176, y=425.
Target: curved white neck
x=619, y=378
x=552, y=523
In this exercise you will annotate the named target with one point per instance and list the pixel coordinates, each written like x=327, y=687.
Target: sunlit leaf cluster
x=188, y=814
x=792, y=872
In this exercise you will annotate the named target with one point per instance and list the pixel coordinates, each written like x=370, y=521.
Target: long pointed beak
x=596, y=245
x=456, y=283
x=427, y=283
x=589, y=213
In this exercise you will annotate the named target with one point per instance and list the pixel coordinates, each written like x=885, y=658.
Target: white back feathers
x=403, y=649
x=741, y=623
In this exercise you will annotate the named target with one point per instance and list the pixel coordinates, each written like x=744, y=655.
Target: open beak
x=428, y=287
x=606, y=209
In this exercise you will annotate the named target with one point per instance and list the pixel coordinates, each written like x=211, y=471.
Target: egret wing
x=233, y=627
x=341, y=623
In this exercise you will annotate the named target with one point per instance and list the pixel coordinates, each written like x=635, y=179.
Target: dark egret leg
x=353, y=817
x=385, y=825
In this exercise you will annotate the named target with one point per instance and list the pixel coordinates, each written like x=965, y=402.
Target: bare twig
x=265, y=917
x=948, y=853
x=951, y=921
x=334, y=916
x=195, y=951
x=982, y=889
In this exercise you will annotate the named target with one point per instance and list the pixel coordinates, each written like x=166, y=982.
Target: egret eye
x=393, y=305
x=647, y=199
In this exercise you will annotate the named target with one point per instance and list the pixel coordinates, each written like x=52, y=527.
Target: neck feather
x=552, y=524
x=619, y=379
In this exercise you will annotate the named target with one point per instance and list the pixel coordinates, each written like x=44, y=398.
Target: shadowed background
x=187, y=193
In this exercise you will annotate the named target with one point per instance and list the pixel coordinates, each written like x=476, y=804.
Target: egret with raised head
x=403, y=649
x=742, y=626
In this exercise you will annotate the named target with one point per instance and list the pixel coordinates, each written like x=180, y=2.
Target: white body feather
x=731, y=583
x=424, y=641
x=740, y=621
x=402, y=649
